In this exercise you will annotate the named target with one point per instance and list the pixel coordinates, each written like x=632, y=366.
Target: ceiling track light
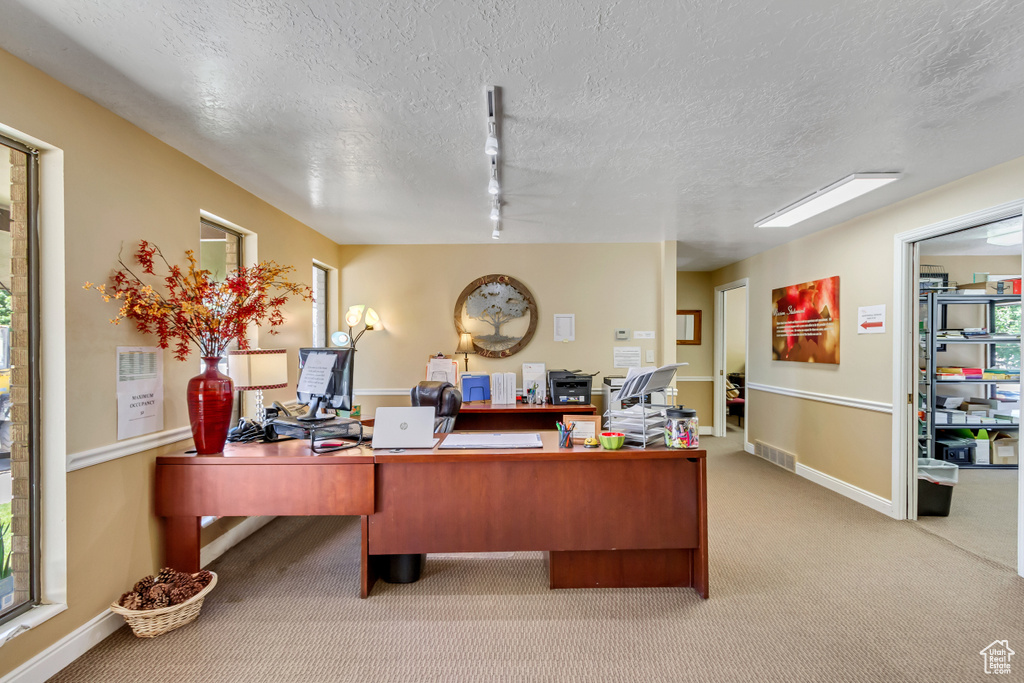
x=491, y=148
x=839, y=192
x=496, y=233
x=492, y=186
x=495, y=209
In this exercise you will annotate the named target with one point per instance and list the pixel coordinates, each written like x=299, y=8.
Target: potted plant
x=187, y=307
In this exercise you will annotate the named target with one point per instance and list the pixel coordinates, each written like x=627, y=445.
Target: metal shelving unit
x=927, y=363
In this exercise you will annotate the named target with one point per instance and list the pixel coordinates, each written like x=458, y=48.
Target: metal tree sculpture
x=496, y=303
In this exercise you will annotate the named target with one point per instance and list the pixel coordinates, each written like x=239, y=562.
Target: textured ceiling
x=622, y=121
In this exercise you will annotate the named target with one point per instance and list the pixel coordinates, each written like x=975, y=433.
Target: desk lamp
x=466, y=347
x=256, y=370
x=355, y=314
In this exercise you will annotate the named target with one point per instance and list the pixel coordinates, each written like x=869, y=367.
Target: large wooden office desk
x=631, y=517
x=483, y=416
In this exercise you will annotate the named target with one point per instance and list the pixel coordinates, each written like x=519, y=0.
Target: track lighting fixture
x=495, y=209
x=492, y=186
x=491, y=147
x=496, y=233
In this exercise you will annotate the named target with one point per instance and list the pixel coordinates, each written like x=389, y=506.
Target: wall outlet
x=650, y=355
x=621, y=335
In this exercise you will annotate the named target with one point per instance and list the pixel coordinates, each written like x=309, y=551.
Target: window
x=19, y=386
x=1006, y=320
x=220, y=252
x=319, y=306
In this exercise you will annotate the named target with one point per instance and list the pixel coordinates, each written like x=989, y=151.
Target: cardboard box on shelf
x=1003, y=448
x=992, y=287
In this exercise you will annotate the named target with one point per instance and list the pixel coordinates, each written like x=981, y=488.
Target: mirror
x=688, y=327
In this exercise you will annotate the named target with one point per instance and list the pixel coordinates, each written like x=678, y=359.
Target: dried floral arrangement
x=167, y=588
x=190, y=307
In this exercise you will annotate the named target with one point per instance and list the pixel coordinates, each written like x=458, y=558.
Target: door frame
x=904, y=316
x=720, y=332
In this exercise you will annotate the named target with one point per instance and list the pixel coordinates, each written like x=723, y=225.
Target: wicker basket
x=150, y=623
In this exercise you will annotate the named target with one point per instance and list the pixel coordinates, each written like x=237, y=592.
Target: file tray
x=320, y=430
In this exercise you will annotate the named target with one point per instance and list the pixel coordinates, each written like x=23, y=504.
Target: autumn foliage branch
x=189, y=307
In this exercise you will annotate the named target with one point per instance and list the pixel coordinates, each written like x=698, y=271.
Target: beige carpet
x=805, y=586
x=982, y=515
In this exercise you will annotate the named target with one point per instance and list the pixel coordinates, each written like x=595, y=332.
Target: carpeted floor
x=805, y=586
x=982, y=515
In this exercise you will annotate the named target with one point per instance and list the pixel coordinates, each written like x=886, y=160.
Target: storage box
x=993, y=287
x=982, y=447
x=1003, y=449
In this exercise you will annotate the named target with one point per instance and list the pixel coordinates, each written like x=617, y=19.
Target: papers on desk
x=647, y=380
x=485, y=440
x=443, y=370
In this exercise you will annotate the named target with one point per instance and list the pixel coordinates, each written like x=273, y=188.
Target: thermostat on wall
x=621, y=335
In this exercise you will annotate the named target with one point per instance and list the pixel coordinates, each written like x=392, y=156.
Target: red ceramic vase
x=210, y=396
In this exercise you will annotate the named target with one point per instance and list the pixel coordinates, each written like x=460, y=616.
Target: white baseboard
x=852, y=492
x=220, y=545
x=706, y=430
x=69, y=648
x=72, y=646
x=749, y=447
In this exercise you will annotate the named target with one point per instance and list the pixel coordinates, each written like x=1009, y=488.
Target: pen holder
x=565, y=439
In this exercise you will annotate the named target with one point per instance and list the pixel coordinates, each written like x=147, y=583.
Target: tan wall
x=123, y=185
x=414, y=288
x=694, y=291
x=860, y=252
x=736, y=330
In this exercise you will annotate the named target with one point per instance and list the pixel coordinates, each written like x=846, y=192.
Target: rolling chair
x=446, y=401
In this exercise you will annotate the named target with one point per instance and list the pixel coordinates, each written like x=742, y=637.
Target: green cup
x=612, y=441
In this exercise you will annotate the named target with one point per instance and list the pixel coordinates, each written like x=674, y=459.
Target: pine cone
x=161, y=601
x=180, y=595
x=131, y=601
x=203, y=577
x=144, y=584
x=166, y=575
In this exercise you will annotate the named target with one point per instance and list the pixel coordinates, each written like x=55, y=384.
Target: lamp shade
x=354, y=315
x=372, y=320
x=252, y=369
x=465, y=343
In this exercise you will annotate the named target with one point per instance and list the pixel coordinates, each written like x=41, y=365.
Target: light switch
x=650, y=355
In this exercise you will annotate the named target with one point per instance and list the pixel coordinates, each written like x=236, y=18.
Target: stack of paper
x=503, y=388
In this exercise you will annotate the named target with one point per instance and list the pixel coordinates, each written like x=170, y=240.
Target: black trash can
x=935, y=482
x=399, y=568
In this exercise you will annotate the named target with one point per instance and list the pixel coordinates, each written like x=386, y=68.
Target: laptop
x=404, y=428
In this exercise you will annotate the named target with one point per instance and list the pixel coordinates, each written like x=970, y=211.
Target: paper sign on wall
x=871, y=319
x=626, y=356
x=140, y=391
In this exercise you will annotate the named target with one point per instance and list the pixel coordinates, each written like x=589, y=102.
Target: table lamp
x=256, y=370
x=466, y=347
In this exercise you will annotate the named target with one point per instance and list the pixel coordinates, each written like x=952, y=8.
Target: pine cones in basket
x=169, y=587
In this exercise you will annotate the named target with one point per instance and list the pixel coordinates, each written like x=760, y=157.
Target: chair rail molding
x=863, y=404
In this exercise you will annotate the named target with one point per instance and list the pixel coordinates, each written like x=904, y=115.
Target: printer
x=569, y=387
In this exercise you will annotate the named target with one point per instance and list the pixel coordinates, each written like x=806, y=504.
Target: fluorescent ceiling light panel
x=837, y=193
x=1008, y=240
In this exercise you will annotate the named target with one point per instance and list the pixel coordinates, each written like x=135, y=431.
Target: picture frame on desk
x=586, y=426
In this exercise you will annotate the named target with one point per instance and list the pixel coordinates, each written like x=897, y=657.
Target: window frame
x=321, y=308
x=34, y=381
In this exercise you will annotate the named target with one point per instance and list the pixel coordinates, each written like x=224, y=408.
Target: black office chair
x=446, y=401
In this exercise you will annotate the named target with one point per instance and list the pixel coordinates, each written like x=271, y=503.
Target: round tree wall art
x=499, y=312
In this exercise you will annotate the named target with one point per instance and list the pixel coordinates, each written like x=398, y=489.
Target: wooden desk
x=483, y=416
x=631, y=517
x=256, y=479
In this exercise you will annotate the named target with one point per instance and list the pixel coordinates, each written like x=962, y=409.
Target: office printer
x=567, y=387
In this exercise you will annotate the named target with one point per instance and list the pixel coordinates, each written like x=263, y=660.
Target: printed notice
x=565, y=327
x=626, y=356
x=871, y=319
x=316, y=373
x=140, y=391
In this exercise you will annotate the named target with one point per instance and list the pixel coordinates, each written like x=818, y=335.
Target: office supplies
x=484, y=440
x=404, y=428
x=475, y=387
x=441, y=369
x=503, y=388
x=534, y=383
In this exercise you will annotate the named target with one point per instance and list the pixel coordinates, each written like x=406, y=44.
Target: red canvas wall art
x=805, y=322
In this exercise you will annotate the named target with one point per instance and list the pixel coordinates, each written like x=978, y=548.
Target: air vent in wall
x=775, y=455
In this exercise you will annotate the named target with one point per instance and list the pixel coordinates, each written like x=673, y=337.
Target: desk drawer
x=264, y=489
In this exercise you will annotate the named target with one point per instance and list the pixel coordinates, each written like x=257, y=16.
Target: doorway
x=958, y=337
x=731, y=334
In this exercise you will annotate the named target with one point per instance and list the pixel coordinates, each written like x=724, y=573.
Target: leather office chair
x=445, y=399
